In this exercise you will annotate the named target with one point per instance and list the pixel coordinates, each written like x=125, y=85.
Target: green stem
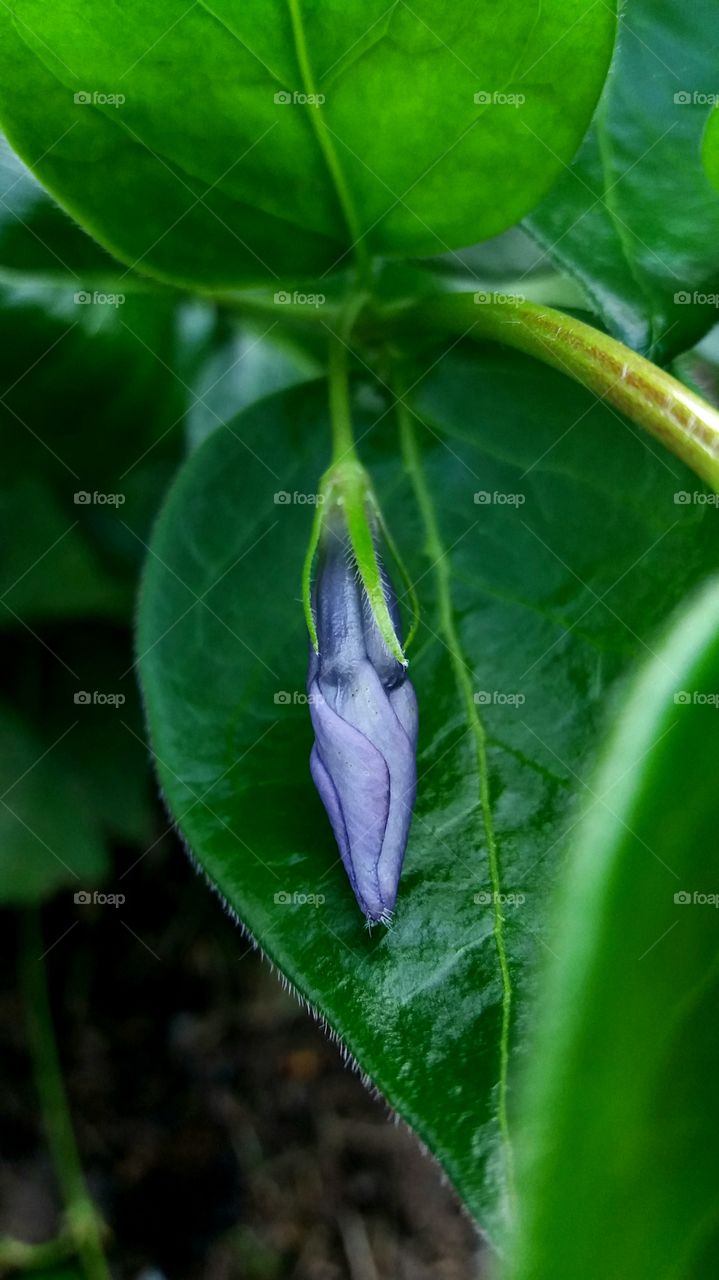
x=326, y=143
x=16, y=1255
x=676, y=416
x=437, y=555
x=343, y=445
x=82, y=1217
x=346, y=485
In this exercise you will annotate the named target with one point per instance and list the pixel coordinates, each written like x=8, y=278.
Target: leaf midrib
x=438, y=555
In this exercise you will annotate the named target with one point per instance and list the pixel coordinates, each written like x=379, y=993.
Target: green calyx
x=346, y=497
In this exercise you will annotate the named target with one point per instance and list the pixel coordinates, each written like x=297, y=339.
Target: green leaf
x=551, y=600
x=192, y=155
x=710, y=148
x=86, y=429
x=620, y=1127
x=48, y=835
x=36, y=238
x=41, y=246
x=634, y=218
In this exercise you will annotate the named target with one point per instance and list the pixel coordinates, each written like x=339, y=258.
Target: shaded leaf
x=634, y=217
x=48, y=834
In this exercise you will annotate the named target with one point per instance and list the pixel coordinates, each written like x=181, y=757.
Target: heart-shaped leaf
x=555, y=546
x=222, y=142
x=635, y=218
x=620, y=1106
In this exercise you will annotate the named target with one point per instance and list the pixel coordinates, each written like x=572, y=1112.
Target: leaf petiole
x=678, y=417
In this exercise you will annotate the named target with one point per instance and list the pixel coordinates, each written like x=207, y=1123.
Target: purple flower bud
x=364, y=714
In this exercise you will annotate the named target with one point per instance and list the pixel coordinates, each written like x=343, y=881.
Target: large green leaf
x=621, y=1125
x=190, y=153
x=635, y=218
x=549, y=600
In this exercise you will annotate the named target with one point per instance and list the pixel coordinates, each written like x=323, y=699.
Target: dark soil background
x=220, y=1131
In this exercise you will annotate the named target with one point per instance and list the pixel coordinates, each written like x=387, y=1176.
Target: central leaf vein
x=438, y=555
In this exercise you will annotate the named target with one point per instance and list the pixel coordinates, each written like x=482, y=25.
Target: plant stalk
x=83, y=1221
x=678, y=417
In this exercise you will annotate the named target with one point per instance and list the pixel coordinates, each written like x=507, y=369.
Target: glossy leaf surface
x=301, y=130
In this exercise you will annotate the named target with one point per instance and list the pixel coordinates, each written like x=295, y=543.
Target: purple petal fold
x=364, y=714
